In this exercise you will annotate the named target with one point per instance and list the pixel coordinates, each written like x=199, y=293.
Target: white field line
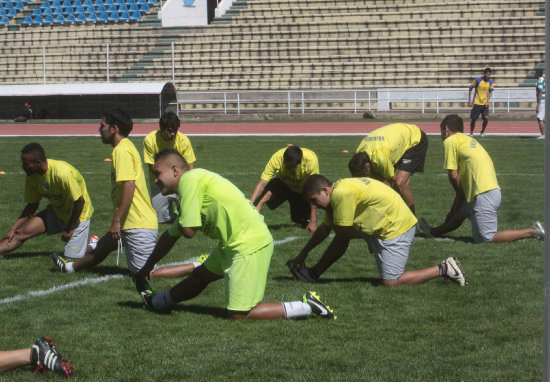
x=92, y=281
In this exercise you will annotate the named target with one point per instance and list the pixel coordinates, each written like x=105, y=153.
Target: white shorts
x=76, y=246
x=163, y=205
x=482, y=212
x=541, y=115
x=138, y=245
x=391, y=255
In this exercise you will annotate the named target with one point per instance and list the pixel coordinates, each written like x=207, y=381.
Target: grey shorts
x=76, y=246
x=391, y=255
x=138, y=246
x=163, y=205
x=482, y=212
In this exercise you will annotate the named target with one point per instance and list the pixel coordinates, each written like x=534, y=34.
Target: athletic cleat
x=482, y=135
x=540, y=137
x=93, y=240
x=424, y=226
x=318, y=308
x=539, y=230
x=202, y=258
x=59, y=261
x=454, y=273
x=301, y=273
x=146, y=293
x=46, y=357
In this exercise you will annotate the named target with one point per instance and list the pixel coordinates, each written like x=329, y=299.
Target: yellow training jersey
x=475, y=167
x=294, y=180
x=127, y=166
x=220, y=209
x=154, y=143
x=385, y=147
x=370, y=207
x=62, y=185
x=482, y=90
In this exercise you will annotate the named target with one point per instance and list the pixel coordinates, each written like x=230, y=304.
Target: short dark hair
x=36, y=150
x=538, y=73
x=313, y=185
x=356, y=164
x=169, y=120
x=121, y=119
x=453, y=122
x=173, y=156
x=292, y=156
x=487, y=70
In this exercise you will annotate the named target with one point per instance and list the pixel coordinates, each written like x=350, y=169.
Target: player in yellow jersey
x=477, y=193
x=134, y=222
x=68, y=212
x=167, y=137
x=282, y=180
x=213, y=205
x=364, y=208
x=484, y=87
x=392, y=154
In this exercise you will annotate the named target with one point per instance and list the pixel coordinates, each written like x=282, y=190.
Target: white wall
x=177, y=13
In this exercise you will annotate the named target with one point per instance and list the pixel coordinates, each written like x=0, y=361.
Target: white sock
x=162, y=301
x=197, y=264
x=69, y=267
x=93, y=245
x=296, y=309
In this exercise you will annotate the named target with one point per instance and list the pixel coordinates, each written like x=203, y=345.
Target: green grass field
x=489, y=331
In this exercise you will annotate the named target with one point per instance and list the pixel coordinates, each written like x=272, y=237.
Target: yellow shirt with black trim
x=62, y=185
x=475, y=167
x=293, y=179
x=127, y=166
x=482, y=90
x=220, y=209
x=155, y=143
x=386, y=145
x=370, y=207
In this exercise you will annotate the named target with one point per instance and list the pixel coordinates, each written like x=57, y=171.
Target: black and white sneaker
x=146, y=293
x=318, y=307
x=59, y=261
x=454, y=272
x=303, y=274
x=539, y=230
x=46, y=357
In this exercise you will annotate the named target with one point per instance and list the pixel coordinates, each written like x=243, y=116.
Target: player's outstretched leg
x=45, y=356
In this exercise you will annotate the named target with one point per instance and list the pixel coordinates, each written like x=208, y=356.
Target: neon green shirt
x=221, y=210
x=127, y=166
x=370, y=207
x=475, y=167
x=294, y=180
x=62, y=185
x=154, y=143
x=385, y=147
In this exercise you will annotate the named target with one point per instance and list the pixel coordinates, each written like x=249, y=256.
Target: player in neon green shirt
x=167, y=137
x=68, y=212
x=392, y=154
x=213, y=205
x=364, y=208
x=134, y=224
x=477, y=193
x=282, y=180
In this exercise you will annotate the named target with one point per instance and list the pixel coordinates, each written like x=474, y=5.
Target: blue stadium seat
x=4, y=20
x=80, y=18
x=130, y=2
x=67, y=10
x=92, y=18
x=143, y=8
x=124, y=16
x=78, y=10
x=102, y=17
x=37, y=20
x=59, y=19
x=135, y=16
x=46, y=11
x=87, y=3
x=2, y=12
x=36, y=12
x=18, y=5
x=100, y=8
x=55, y=4
x=89, y=10
x=113, y=16
x=27, y=21
x=122, y=8
x=11, y=13
x=120, y=2
x=151, y=2
x=66, y=3
x=70, y=19
x=109, y=2
x=133, y=8
x=141, y=2
x=47, y=20
x=7, y=5
x=57, y=11
x=111, y=8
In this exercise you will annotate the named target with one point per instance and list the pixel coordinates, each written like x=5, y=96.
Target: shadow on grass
x=464, y=239
x=108, y=270
x=16, y=255
x=370, y=280
x=196, y=309
x=275, y=227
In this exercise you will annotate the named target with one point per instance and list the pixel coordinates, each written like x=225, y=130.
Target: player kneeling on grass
x=212, y=204
x=368, y=209
x=43, y=355
x=70, y=207
x=473, y=177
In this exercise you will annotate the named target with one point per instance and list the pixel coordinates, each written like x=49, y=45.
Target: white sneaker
x=482, y=135
x=539, y=230
x=540, y=137
x=454, y=273
x=424, y=226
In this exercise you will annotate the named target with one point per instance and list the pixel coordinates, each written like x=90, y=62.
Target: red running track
x=261, y=128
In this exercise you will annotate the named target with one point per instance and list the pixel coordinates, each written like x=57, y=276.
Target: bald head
x=168, y=168
x=171, y=157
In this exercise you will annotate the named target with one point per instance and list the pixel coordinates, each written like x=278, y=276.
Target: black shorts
x=300, y=209
x=479, y=109
x=414, y=158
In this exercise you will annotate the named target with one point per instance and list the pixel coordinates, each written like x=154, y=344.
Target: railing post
x=508, y=100
x=44, y=63
x=355, y=102
x=437, y=101
x=302, y=102
x=289, y=103
x=108, y=65
x=238, y=103
x=369, y=101
x=173, y=64
x=224, y=102
x=422, y=102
